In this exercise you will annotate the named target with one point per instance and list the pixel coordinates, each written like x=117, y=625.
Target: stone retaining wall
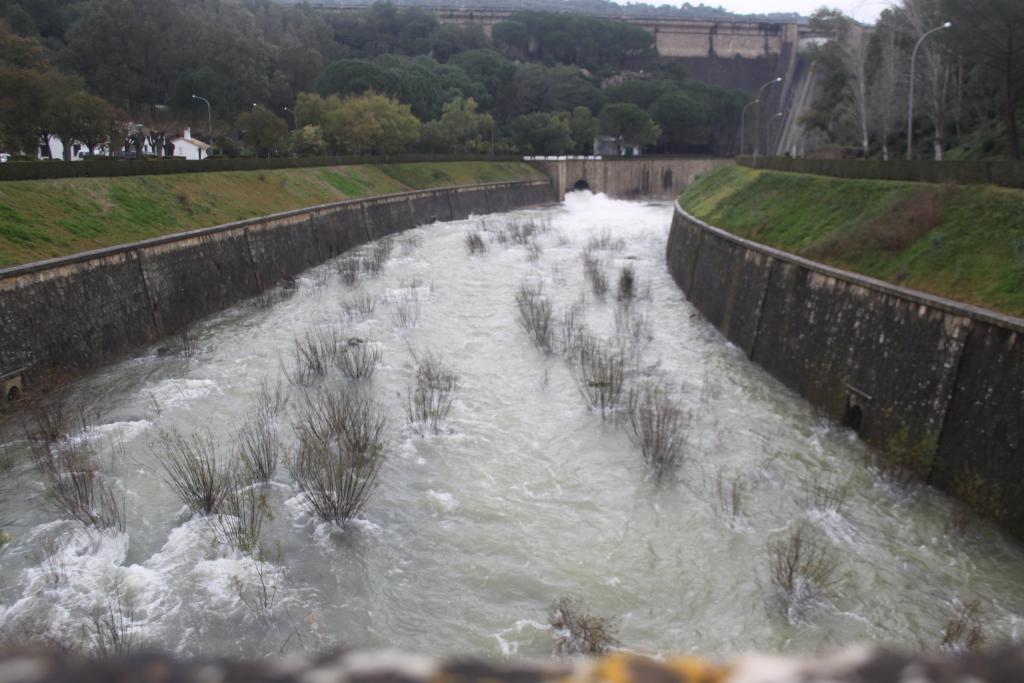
x=898, y=365
x=80, y=311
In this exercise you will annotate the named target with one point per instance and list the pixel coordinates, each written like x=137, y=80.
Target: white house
x=78, y=150
x=190, y=148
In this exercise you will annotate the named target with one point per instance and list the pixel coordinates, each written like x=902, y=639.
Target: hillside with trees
x=968, y=82
x=292, y=80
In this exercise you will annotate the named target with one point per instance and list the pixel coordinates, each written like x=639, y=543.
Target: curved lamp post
x=743, y=123
x=295, y=119
x=209, y=117
x=910, y=97
x=757, y=121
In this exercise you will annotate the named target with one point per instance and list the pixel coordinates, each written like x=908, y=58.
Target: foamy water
x=525, y=495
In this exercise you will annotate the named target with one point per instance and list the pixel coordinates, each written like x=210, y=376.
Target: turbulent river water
x=524, y=496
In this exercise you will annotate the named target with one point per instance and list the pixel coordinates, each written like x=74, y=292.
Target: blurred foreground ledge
x=1005, y=665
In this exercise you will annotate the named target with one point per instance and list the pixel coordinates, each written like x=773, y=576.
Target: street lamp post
x=771, y=121
x=209, y=117
x=743, y=123
x=757, y=121
x=910, y=96
x=295, y=119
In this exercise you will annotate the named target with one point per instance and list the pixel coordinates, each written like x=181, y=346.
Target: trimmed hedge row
x=1005, y=173
x=38, y=170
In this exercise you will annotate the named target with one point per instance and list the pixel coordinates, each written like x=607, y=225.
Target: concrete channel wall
x=898, y=365
x=73, y=313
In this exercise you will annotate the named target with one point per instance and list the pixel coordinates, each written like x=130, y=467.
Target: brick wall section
x=949, y=374
x=77, y=312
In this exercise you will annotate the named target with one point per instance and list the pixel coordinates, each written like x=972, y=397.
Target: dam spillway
x=523, y=495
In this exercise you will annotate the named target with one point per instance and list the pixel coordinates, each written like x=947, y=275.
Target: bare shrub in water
x=904, y=462
x=606, y=242
x=801, y=567
x=74, y=486
x=313, y=354
x=535, y=315
x=600, y=373
x=358, y=358
x=431, y=398
x=186, y=343
x=627, y=285
x=829, y=495
x=348, y=268
x=359, y=304
x=731, y=496
x=572, y=326
x=341, y=450
x=593, y=269
x=534, y=250
x=243, y=513
x=271, y=296
x=379, y=255
x=405, y=313
x=192, y=470
x=963, y=632
x=657, y=426
x=577, y=632
x=257, y=441
x=475, y=243
x=50, y=417
x=113, y=626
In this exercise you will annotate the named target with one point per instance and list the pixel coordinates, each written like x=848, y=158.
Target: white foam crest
x=510, y=646
x=442, y=500
x=175, y=392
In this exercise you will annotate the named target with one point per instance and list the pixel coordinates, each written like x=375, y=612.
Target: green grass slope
x=961, y=242
x=46, y=218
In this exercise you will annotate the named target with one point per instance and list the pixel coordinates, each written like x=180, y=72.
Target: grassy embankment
x=45, y=218
x=961, y=242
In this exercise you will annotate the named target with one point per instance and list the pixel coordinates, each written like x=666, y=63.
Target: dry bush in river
x=113, y=626
x=802, y=567
x=577, y=632
x=348, y=268
x=313, y=354
x=593, y=269
x=341, y=437
x=731, y=496
x=378, y=255
x=535, y=315
x=74, y=486
x=963, y=632
x=358, y=358
x=244, y=510
x=600, y=372
x=359, y=304
x=828, y=495
x=475, y=243
x=405, y=313
x=257, y=441
x=431, y=397
x=657, y=426
x=627, y=284
x=193, y=470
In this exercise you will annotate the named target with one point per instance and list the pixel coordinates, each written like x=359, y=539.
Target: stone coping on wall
x=924, y=298
x=58, y=261
x=853, y=665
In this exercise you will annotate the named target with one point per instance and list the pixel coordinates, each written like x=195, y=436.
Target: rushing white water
x=525, y=496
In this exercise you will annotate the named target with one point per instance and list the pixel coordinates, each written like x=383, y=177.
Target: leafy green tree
x=991, y=34
x=312, y=109
x=583, y=128
x=308, y=141
x=264, y=131
x=511, y=36
x=460, y=129
x=629, y=124
x=542, y=133
x=539, y=88
x=448, y=40
x=372, y=124
x=82, y=118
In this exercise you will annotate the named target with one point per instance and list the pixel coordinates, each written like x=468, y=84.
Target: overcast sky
x=862, y=10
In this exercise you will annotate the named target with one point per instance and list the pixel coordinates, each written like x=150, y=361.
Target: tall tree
x=991, y=33
x=629, y=124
